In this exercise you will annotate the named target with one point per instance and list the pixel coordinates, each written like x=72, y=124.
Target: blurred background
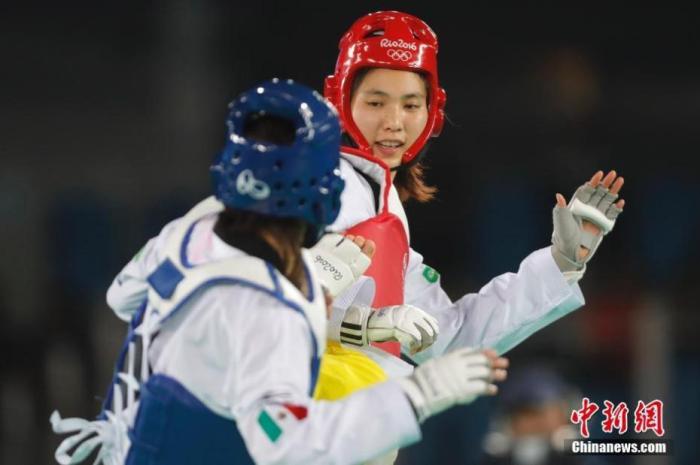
x=110, y=114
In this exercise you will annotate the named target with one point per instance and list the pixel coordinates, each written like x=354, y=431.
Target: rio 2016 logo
x=329, y=268
x=398, y=44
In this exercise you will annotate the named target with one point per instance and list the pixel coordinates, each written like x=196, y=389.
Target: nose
x=392, y=121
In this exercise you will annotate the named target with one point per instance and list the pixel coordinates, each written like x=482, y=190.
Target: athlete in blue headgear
x=228, y=317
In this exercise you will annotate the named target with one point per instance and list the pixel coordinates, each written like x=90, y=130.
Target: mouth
x=389, y=148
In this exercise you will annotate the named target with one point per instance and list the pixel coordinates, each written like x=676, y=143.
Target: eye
x=374, y=103
x=412, y=106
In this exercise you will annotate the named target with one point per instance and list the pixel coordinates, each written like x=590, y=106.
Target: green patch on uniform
x=268, y=425
x=430, y=274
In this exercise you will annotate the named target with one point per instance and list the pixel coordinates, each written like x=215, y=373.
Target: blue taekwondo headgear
x=299, y=180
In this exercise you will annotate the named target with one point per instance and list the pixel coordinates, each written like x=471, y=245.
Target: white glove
x=409, y=325
x=594, y=204
x=339, y=262
x=458, y=377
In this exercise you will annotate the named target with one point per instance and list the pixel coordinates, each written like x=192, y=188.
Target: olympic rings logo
x=399, y=55
x=246, y=184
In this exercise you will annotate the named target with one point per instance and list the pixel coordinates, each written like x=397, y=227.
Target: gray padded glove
x=593, y=204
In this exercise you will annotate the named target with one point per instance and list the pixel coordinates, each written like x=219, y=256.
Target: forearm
x=506, y=311
x=362, y=426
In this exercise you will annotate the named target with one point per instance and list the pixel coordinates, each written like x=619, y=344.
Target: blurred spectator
x=534, y=423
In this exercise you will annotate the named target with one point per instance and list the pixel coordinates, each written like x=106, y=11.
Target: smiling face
x=390, y=109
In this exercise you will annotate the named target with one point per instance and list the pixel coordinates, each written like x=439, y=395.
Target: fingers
x=410, y=337
x=496, y=361
x=499, y=365
x=609, y=178
x=607, y=187
x=485, y=368
x=428, y=329
x=358, y=240
x=611, y=181
x=607, y=200
x=367, y=246
x=615, y=210
x=561, y=200
x=595, y=179
x=620, y=204
x=433, y=323
x=617, y=185
x=608, y=191
x=427, y=337
x=499, y=370
x=426, y=325
x=584, y=193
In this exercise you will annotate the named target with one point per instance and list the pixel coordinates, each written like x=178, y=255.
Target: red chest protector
x=388, y=268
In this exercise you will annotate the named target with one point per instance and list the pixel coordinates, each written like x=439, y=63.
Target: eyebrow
x=381, y=93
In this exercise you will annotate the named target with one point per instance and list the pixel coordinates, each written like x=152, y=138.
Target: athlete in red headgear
x=387, y=93
x=393, y=41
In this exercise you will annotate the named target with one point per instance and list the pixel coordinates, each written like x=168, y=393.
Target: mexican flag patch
x=276, y=418
x=430, y=274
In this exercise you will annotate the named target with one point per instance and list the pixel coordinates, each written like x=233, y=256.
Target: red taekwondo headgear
x=394, y=40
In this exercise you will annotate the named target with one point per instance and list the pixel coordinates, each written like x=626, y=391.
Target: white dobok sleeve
x=129, y=289
x=504, y=312
x=269, y=384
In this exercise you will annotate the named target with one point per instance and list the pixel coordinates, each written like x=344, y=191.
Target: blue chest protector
x=173, y=427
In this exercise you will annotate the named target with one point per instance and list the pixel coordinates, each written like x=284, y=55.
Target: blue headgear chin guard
x=300, y=180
